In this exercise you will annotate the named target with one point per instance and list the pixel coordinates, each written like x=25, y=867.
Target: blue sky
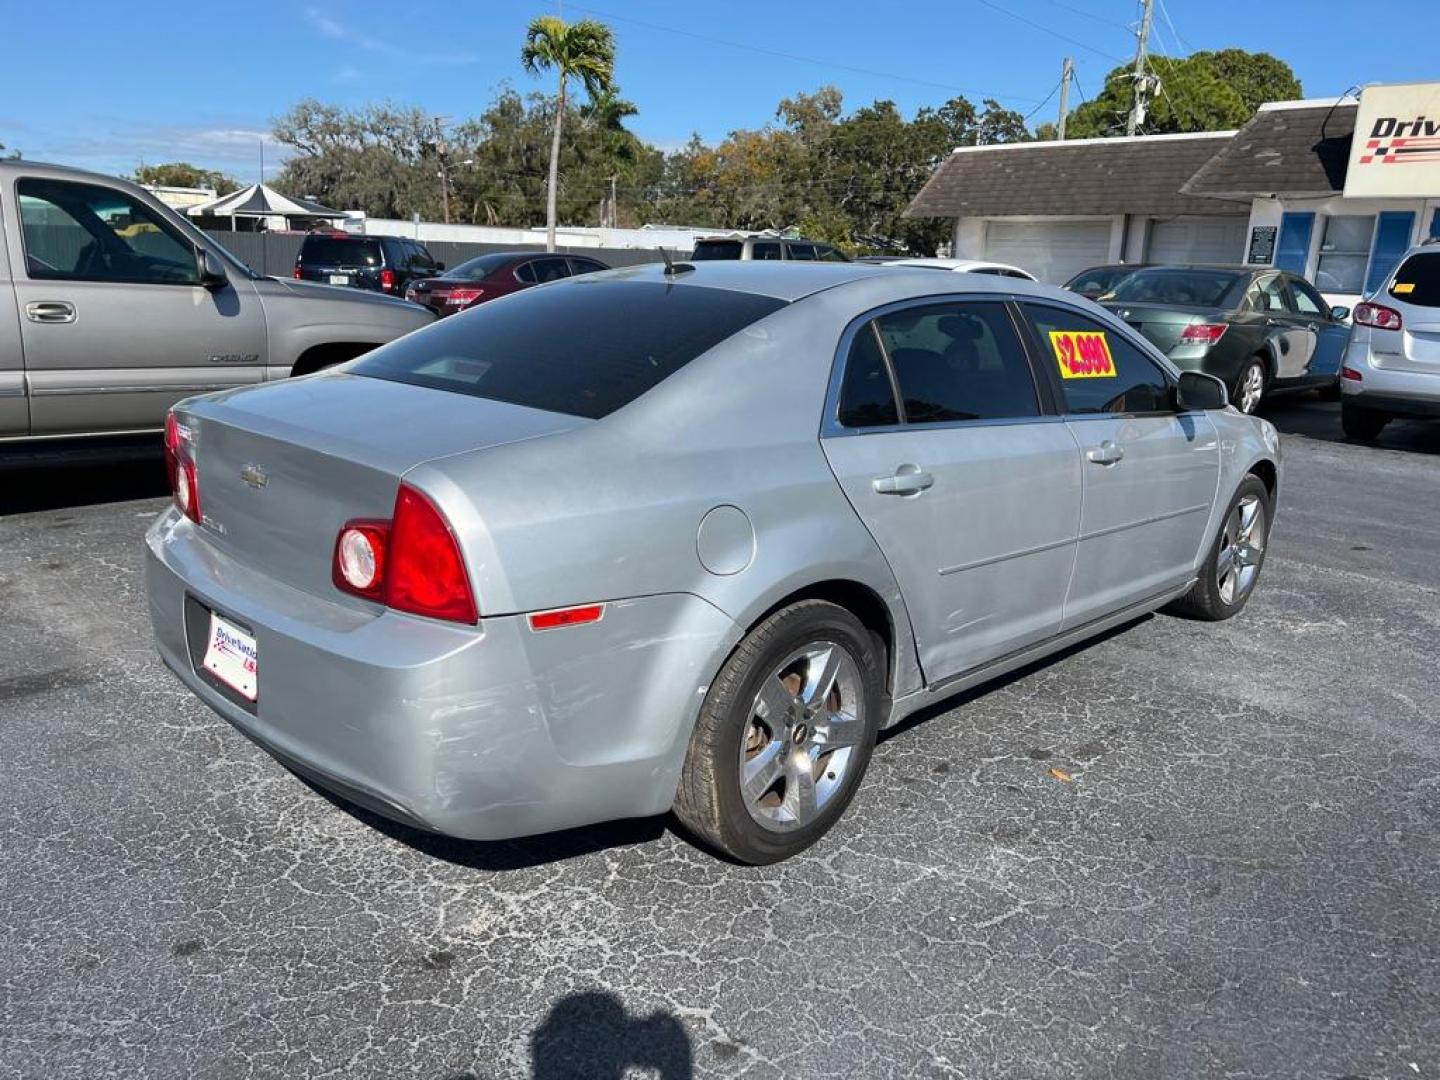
x=200, y=82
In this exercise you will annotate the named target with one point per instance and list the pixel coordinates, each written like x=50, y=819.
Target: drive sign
x=1396, y=148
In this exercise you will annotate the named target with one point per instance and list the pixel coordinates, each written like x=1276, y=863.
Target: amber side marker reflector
x=553, y=620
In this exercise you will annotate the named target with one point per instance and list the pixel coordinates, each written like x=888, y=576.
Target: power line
x=1047, y=30
x=1089, y=15
x=1180, y=43
x=1048, y=96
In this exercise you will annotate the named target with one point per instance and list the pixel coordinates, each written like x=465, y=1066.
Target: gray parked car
x=113, y=307
x=646, y=539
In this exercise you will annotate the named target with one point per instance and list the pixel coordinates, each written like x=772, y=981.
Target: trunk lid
x=1162, y=324
x=283, y=466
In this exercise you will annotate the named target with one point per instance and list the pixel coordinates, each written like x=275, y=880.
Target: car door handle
x=908, y=480
x=50, y=311
x=1107, y=453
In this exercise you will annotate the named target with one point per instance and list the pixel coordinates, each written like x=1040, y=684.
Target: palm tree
x=584, y=50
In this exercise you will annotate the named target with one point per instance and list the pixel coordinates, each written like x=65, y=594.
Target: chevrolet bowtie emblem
x=254, y=476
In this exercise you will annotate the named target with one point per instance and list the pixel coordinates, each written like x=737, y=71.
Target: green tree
x=1206, y=91
x=584, y=50
x=183, y=174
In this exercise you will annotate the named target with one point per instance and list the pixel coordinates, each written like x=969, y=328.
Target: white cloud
x=335, y=30
x=118, y=146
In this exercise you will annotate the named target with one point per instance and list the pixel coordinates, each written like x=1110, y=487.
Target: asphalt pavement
x=1184, y=850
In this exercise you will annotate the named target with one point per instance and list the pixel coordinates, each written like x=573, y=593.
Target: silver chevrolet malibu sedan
x=686, y=539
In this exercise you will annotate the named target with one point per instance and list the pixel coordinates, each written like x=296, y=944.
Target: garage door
x=1198, y=240
x=1054, y=251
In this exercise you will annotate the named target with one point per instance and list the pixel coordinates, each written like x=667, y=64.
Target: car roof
x=794, y=280
x=958, y=264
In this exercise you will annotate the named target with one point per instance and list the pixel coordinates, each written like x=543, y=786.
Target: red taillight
x=387, y=280
x=1379, y=316
x=461, y=297
x=410, y=563
x=180, y=468
x=551, y=620
x=298, y=272
x=1203, y=333
x=1351, y=374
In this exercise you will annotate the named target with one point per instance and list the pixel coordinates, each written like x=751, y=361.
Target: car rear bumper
x=1383, y=389
x=483, y=732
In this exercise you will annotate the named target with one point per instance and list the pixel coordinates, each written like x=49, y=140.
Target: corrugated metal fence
x=274, y=253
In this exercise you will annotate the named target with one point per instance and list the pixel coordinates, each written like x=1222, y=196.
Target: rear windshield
x=340, y=251
x=1418, y=280
x=1191, y=288
x=585, y=347
x=718, y=249
x=480, y=266
x=1098, y=280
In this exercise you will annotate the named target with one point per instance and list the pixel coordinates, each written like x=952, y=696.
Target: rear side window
x=766, y=250
x=1100, y=370
x=805, y=252
x=585, y=348
x=866, y=397
x=339, y=251
x=717, y=249
x=1418, y=280
x=959, y=361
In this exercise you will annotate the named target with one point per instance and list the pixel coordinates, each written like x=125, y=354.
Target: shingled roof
x=1289, y=147
x=1135, y=175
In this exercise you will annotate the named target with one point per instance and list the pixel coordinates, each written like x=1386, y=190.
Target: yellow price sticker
x=1082, y=354
x=1402, y=287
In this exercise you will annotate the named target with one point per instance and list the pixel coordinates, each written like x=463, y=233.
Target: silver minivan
x=1392, y=366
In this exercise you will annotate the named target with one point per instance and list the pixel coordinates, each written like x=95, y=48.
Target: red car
x=487, y=276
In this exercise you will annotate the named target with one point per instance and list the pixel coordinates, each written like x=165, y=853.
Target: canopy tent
x=259, y=201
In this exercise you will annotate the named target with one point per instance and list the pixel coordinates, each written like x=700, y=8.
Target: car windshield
x=585, y=348
x=717, y=249
x=479, y=267
x=1099, y=280
x=1417, y=281
x=340, y=251
x=1194, y=288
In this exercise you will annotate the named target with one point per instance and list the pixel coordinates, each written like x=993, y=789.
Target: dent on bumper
x=479, y=732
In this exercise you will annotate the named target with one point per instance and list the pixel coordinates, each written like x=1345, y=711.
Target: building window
x=1344, y=253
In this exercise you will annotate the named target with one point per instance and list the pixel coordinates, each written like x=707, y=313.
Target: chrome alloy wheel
x=805, y=724
x=1241, y=546
x=1252, y=388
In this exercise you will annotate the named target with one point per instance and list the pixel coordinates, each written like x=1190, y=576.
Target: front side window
x=767, y=250
x=805, y=252
x=84, y=232
x=1344, y=253
x=1307, y=300
x=1100, y=370
x=958, y=362
x=585, y=348
x=826, y=253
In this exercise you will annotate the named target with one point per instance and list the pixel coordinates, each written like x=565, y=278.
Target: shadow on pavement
x=591, y=1036
x=64, y=474
x=1302, y=414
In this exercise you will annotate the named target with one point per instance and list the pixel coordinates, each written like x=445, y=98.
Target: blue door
x=1392, y=237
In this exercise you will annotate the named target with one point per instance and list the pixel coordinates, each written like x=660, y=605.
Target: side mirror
x=212, y=270
x=1339, y=313
x=439, y=266
x=1198, y=392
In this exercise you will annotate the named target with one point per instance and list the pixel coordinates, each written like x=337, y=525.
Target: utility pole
x=611, y=217
x=440, y=149
x=1067, y=72
x=1142, y=81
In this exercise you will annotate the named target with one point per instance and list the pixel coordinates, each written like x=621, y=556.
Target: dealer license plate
x=232, y=658
x=339, y=279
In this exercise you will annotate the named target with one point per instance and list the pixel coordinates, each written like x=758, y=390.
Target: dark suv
x=384, y=264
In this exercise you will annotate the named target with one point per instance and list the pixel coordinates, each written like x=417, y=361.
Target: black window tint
x=84, y=232
x=585, y=348
x=586, y=266
x=339, y=251
x=1418, y=280
x=866, y=396
x=958, y=362
x=805, y=252
x=826, y=253
x=1100, y=370
x=479, y=267
x=717, y=249
x=768, y=250
x=526, y=272
x=550, y=269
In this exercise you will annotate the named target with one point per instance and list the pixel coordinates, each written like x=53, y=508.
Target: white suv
x=1392, y=365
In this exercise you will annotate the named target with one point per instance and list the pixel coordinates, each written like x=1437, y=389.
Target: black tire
x=1205, y=600
x=709, y=801
x=1237, y=392
x=1362, y=424
x=1330, y=391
